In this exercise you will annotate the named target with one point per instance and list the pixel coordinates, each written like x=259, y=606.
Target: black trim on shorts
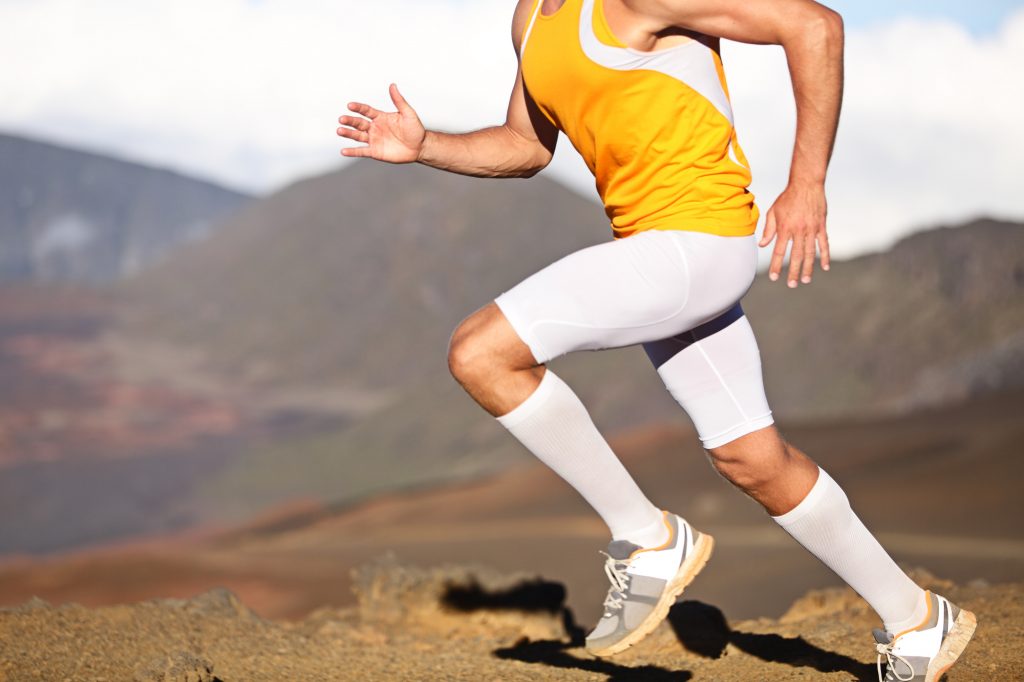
x=664, y=350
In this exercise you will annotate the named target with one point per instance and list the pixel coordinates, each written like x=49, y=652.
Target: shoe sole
x=955, y=643
x=688, y=570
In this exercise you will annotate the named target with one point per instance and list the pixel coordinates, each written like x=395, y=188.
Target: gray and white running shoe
x=925, y=653
x=645, y=584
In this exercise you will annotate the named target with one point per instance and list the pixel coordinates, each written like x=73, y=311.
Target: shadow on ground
x=548, y=597
x=701, y=629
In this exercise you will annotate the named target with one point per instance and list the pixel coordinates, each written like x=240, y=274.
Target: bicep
x=748, y=21
x=526, y=119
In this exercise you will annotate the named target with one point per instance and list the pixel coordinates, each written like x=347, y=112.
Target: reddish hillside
x=900, y=474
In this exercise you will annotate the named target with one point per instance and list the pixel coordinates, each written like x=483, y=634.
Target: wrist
x=807, y=181
x=807, y=170
x=423, y=153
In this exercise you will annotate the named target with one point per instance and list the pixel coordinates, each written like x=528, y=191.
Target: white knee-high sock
x=826, y=525
x=554, y=425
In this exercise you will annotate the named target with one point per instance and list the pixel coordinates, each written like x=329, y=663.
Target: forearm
x=496, y=152
x=815, y=58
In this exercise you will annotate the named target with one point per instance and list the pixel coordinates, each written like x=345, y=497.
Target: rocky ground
x=458, y=623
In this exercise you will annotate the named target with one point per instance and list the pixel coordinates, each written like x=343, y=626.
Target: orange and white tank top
x=655, y=128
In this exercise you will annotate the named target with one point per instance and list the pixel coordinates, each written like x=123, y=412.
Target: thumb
x=769, y=229
x=400, y=103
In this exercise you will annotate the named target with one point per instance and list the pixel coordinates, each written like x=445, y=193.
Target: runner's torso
x=655, y=128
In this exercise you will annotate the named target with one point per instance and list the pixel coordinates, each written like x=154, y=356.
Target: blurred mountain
x=299, y=353
x=355, y=280
x=936, y=319
x=73, y=216
x=358, y=278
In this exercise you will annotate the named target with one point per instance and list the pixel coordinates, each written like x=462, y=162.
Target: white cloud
x=243, y=92
x=929, y=134
x=248, y=93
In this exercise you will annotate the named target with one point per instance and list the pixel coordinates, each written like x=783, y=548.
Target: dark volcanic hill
x=299, y=352
x=69, y=215
x=937, y=318
x=357, y=278
x=354, y=281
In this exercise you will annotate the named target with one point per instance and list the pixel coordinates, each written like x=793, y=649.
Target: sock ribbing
x=555, y=426
x=825, y=524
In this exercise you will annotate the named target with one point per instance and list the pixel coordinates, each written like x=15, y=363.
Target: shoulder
x=520, y=20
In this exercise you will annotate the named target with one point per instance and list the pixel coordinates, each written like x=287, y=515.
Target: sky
x=247, y=93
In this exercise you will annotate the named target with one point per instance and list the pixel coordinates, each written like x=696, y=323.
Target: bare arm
x=812, y=36
x=520, y=147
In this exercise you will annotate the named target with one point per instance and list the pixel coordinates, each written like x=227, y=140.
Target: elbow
x=527, y=157
x=536, y=167
x=828, y=28
x=834, y=27
x=817, y=27
x=818, y=32
x=537, y=161
x=815, y=34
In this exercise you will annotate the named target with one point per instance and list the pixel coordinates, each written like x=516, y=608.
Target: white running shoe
x=645, y=585
x=924, y=653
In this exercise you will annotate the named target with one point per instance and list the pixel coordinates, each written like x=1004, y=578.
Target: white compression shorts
x=677, y=293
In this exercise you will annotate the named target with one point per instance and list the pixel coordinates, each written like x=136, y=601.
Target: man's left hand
x=798, y=216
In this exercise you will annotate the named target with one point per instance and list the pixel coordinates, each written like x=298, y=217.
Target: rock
x=180, y=666
x=219, y=602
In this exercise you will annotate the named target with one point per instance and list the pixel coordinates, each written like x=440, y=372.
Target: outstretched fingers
x=769, y=230
x=399, y=101
x=779, y=251
x=358, y=123
x=354, y=128
x=364, y=109
x=808, y=267
x=826, y=258
x=357, y=135
x=778, y=257
x=356, y=152
x=796, y=259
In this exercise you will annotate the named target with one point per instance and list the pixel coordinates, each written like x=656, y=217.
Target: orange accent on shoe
x=927, y=617
x=664, y=545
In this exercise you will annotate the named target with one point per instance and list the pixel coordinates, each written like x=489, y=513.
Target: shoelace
x=615, y=569
x=890, y=661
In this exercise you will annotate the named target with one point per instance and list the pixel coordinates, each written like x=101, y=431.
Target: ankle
x=913, y=619
x=654, y=534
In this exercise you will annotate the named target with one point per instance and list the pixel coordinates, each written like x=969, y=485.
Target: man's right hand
x=395, y=137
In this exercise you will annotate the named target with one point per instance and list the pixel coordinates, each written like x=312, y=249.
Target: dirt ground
x=458, y=623
x=301, y=613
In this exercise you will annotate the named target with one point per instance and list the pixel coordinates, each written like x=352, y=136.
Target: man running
x=638, y=88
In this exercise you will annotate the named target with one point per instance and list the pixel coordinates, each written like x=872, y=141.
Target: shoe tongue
x=621, y=549
x=881, y=636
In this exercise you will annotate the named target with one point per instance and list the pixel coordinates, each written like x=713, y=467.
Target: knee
x=742, y=471
x=749, y=467
x=484, y=347
x=468, y=358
